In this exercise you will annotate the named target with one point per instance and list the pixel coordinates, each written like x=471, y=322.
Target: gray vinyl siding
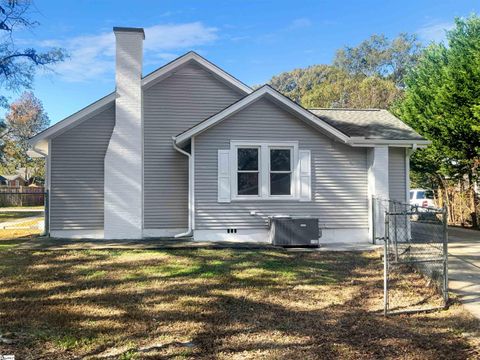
x=397, y=174
x=173, y=105
x=77, y=173
x=339, y=173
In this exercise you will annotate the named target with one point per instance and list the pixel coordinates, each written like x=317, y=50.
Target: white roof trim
x=12, y=177
x=166, y=69
x=362, y=142
x=148, y=80
x=73, y=120
x=239, y=105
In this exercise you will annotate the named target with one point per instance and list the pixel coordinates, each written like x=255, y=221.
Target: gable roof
x=353, y=126
x=12, y=177
x=162, y=72
x=368, y=123
x=74, y=119
x=356, y=127
x=279, y=99
x=147, y=81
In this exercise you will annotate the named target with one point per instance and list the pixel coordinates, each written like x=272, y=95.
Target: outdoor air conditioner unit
x=294, y=231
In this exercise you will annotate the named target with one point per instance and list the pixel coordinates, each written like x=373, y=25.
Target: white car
x=422, y=198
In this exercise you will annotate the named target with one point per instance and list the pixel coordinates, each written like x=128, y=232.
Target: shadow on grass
x=9, y=239
x=224, y=302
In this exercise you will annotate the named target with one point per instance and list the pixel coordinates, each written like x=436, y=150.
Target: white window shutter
x=305, y=167
x=223, y=176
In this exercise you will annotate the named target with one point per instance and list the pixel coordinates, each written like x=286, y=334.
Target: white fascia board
x=164, y=71
x=39, y=149
x=35, y=154
x=147, y=81
x=362, y=142
x=72, y=120
x=247, y=100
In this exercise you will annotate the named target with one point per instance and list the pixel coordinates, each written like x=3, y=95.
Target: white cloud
x=300, y=23
x=165, y=56
x=92, y=56
x=434, y=31
x=161, y=57
x=170, y=37
x=240, y=38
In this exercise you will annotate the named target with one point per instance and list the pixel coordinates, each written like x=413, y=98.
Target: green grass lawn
x=15, y=215
x=225, y=304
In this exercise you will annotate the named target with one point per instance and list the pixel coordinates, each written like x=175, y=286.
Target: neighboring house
x=189, y=149
x=16, y=180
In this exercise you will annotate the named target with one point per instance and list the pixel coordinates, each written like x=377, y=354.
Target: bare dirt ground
x=224, y=304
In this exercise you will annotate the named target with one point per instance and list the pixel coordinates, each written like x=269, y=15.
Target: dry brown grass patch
x=226, y=304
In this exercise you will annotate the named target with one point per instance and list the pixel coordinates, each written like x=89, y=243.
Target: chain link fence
x=415, y=240
x=22, y=212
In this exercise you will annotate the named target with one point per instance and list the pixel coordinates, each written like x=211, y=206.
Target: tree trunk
x=475, y=208
x=446, y=201
x=474, y=200
x=461, y=184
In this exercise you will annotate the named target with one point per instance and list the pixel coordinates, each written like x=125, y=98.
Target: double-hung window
x=252, y=170
x=265, y=171
x=280, y=171
x=248, y=179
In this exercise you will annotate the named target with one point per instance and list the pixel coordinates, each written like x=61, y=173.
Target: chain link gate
x=415, y=240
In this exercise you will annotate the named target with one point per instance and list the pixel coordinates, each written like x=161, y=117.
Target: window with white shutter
x=264, y=171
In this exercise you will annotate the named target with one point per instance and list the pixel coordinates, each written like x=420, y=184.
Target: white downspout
x=190, y=207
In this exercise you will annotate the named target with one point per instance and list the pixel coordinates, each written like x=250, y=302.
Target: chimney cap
x=128, y=29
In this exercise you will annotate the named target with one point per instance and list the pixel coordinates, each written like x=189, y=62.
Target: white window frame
x=291, y=172
x=264, y=169
x=259, y=171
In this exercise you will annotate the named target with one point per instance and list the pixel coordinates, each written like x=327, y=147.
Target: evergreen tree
x=442, y=102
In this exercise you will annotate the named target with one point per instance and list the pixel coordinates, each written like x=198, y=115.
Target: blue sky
x=252, y=40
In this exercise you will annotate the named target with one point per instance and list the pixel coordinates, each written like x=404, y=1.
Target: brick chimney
x=124, y=160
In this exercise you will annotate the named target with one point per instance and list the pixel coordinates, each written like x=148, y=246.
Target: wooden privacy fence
x=21, y=196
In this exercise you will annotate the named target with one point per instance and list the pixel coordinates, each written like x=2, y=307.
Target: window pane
x=247, y=159
x=280, y=160
x=247, y=183
x=280, y=184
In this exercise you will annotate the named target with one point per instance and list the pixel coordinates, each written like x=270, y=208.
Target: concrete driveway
x=464, y=267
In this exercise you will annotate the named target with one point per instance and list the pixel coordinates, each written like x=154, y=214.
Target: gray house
x=190, y=150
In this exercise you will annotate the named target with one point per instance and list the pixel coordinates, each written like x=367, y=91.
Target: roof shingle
x=368, y=123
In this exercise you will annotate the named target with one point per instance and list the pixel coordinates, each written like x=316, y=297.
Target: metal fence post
x=46, y=202
x=395, y=234
x=445, y=256
x=385, y=268
x=374, y=228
